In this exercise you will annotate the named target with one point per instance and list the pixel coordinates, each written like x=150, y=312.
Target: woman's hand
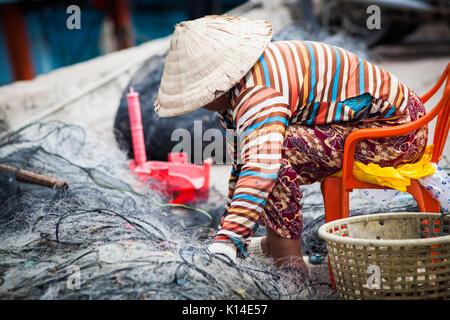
x=222, y=248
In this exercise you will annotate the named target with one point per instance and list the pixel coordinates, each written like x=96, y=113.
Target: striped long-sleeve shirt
x=293, y=82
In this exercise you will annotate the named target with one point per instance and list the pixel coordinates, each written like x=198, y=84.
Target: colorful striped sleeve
x=261, y=116
x=234, y=175
x=226, y=121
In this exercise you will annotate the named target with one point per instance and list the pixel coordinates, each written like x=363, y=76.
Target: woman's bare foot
x=285, y=252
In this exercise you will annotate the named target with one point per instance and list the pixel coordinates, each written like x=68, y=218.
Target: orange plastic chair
x=336, y=190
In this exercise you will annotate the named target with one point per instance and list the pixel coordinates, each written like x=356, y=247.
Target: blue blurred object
x=152, y=25
x=54, y=45
x=5, y=72
x=421, y=5
x=315, y=258
x=51, y=43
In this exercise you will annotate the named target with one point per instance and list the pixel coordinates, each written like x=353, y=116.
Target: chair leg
x=430, y=204
x=424, y=200
x=332, y=281
x=332, y=200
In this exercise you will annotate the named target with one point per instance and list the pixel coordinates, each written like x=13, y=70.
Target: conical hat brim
x=207, y=57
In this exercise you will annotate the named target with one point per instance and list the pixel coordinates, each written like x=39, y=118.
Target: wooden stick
x=34, y=178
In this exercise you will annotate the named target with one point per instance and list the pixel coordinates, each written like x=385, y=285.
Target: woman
x=287, y=108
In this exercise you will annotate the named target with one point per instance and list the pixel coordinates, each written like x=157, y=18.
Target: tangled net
x=109, y=237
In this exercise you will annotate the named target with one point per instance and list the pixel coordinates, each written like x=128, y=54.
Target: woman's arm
x=261, y=116
x=234, y=175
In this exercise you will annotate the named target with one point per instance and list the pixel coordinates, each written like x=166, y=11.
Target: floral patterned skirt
x=311, y=153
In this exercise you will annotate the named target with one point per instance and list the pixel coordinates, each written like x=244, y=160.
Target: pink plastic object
x=137, y=132
x=188, y=182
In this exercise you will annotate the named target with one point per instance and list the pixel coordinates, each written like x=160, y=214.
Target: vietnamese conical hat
x=207, y=57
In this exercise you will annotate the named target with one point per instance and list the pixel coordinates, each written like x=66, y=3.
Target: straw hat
x=207, y=57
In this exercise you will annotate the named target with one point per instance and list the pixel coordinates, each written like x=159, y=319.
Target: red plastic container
x=188, y=182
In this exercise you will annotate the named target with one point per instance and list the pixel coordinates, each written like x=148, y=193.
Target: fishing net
x=109, y=237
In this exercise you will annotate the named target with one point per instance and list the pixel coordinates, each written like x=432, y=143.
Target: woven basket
x=390, y=256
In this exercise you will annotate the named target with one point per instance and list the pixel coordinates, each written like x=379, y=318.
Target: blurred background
x=34, y=39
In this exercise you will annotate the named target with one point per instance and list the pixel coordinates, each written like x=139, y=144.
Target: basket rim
x=380, y=242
